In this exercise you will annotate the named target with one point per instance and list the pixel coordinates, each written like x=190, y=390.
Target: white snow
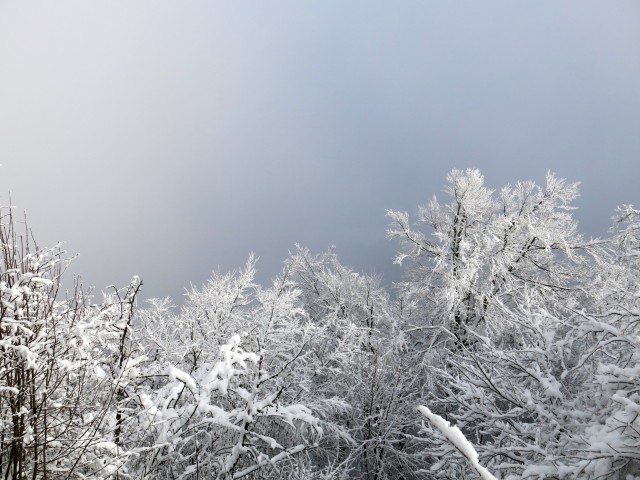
x=458, y=440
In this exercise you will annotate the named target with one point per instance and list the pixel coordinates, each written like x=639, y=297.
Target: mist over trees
x=511, y=349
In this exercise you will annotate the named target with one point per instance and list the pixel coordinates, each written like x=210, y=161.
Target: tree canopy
x=510, y=349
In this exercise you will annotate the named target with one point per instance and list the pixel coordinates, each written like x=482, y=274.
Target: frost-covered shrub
x=53, y=401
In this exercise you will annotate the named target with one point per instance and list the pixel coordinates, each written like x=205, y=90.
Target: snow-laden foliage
x=217, y=404
x=105, y=391
x=457, y=440
x=360, y=367
x=486, y=249
x=504, y=282
x=521, y=336
x=610, y=444
x=54, y=393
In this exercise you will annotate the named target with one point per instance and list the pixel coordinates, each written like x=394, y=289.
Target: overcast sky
x=169, y=138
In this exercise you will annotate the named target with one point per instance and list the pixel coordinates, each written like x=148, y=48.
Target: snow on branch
x=458, y=440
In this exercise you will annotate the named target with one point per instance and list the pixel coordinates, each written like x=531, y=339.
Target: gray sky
x=167, y=138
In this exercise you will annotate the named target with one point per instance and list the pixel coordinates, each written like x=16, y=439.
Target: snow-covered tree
x=610, y=329
x=54, y=403
x=220, y=400
x=499, y=280
x=360, y=366
x=520, y=335
x=485, y=250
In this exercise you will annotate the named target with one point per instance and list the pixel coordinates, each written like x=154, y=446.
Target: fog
x=168, y=139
